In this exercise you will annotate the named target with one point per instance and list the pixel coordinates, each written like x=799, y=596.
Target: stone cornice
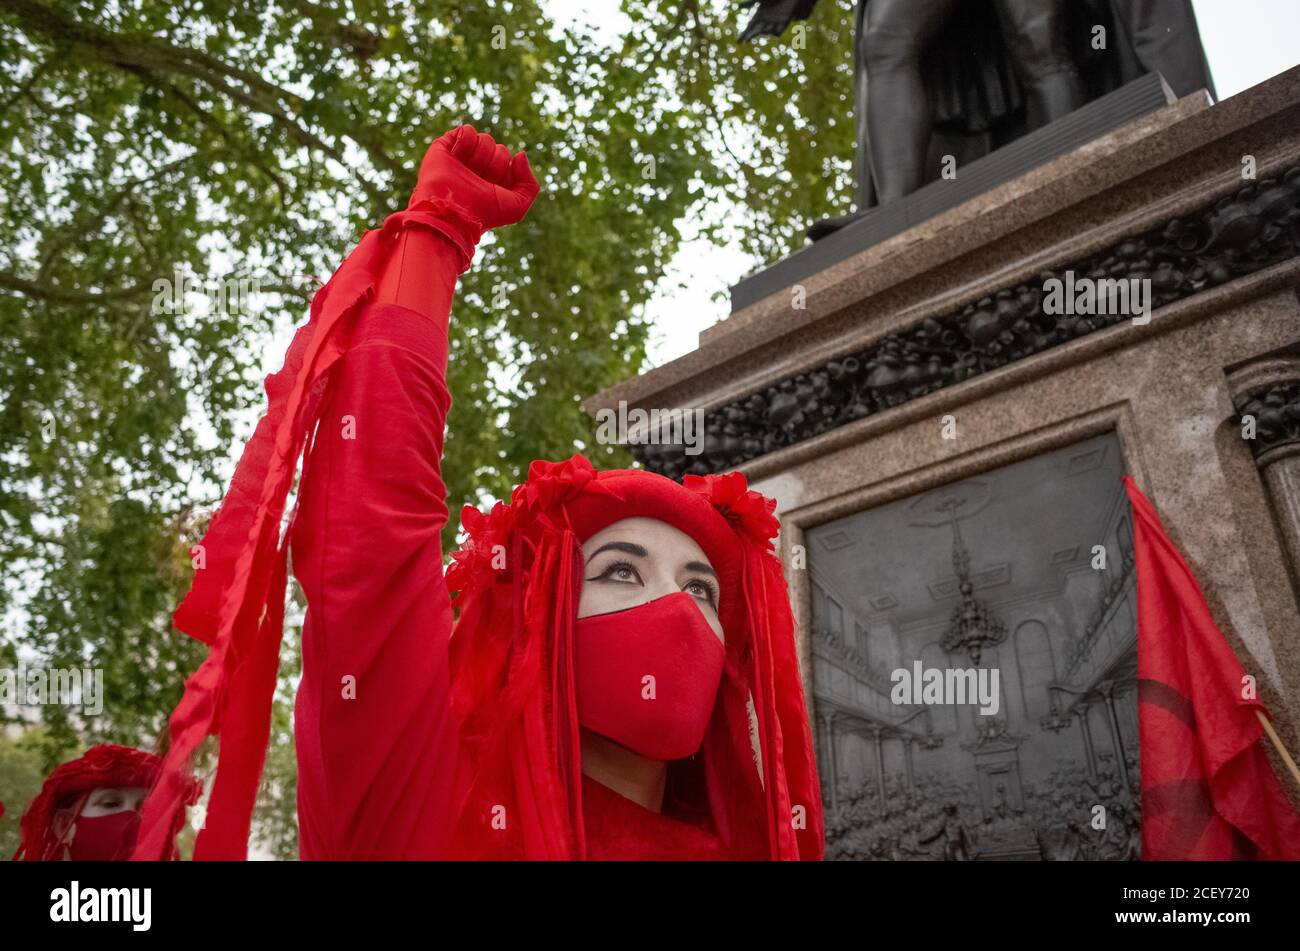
x=1255, y=228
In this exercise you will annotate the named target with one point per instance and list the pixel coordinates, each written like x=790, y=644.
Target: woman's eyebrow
x=625, y=547
x=700, y=567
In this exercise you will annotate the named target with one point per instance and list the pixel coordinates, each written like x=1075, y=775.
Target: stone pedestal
x=833, y=395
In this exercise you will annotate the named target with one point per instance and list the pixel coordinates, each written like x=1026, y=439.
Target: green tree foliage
x=216, y=142
x=777, y=113
x=22, y=771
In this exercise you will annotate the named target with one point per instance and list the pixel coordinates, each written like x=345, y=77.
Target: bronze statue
x=960, y=78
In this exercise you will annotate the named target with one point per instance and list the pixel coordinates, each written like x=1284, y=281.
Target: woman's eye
x=701, y=589
x=621, y=573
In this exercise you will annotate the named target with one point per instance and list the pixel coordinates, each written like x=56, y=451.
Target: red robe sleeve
x=372, y=355
x=376, y=742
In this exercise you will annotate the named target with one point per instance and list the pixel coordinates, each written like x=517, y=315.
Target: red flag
x=1208, y=791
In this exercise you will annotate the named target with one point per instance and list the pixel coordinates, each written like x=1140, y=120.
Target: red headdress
x=512, y=664
x=101, y=766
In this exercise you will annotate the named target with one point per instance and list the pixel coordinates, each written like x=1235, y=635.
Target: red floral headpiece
x=750, y=513
x=572, y=494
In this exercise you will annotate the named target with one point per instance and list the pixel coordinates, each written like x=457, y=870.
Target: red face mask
x=105, y=838
x=647, y=677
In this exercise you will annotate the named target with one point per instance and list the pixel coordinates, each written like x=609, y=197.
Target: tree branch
x=363, y=43
x=154, y=59
x=61, y=295
x=78, y=230
x=25, y=88
x=220, y=128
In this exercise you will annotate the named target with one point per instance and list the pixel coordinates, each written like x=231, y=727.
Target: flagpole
x=1277, y=745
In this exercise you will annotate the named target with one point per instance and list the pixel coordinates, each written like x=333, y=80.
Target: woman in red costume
x=605, y=670
x=88, y=810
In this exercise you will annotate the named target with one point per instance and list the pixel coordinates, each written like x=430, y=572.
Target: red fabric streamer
x=1208, y=791
x=236, y=602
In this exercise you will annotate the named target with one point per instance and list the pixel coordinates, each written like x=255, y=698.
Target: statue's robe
x=978, y=100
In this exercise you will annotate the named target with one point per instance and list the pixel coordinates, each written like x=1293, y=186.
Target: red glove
x=470, y=169
x=472, y=184
x=468, y=184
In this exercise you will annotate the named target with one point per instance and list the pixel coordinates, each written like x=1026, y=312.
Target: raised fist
x=469, y=169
